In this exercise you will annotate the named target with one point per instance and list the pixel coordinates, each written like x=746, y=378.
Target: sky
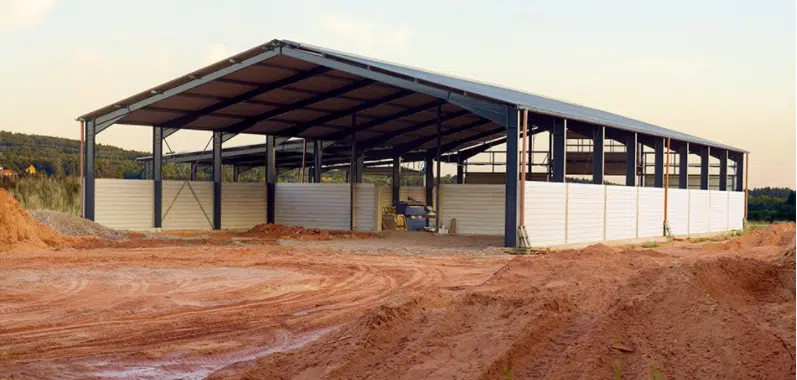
x=721, y=70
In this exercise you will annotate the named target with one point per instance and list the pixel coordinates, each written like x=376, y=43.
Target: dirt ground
x=243, y=306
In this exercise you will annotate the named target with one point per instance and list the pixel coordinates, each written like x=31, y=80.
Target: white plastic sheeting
x=585, y=212
x=621, y=212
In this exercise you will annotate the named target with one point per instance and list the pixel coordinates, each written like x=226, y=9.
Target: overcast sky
x=722, y=70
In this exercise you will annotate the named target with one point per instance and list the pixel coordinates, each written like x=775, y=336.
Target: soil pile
x=70, y=225
x=586, y=314
x=19, y=230
x=779, y=234
x=276, y=231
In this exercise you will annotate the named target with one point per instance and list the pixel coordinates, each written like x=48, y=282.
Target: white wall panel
x=718, y=218
x=735, y=210
x=243, y=204
x=545, y=213
x=621, y=213
x=365, y=206
x=651, y=212
x=479, y=209
x=183, y=210
x=699, y=209
x=313, y=205
x=585, y=208
x=678, y=211
x=124, y=204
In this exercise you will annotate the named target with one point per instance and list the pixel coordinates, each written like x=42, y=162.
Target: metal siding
x=479, y=209
x=735, y=210
x=678, y=211
x=718, y=217
x=183, y=212
x=313, y=205
x=125, y=204
x=243, y=204
x=621, y=212
x=699, y=209
x=416, y=192
x=585, y=207
x=651, y=212
x=384, y=199
x=545, y=213
x=365, y=206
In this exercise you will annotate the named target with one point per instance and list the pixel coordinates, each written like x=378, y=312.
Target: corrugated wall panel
x=365, y=206
x=621, y=213
x=718, y=219
x=384, y=198
x=678, y=211
x=479, y=209
x=585, y=208
x=124, y=204
x=243, y=204
x=183, y=212
x=545, y=213
x=699, y=209
x=651, y=212
x=313, y=205
x=736, y=210
x=415, y=192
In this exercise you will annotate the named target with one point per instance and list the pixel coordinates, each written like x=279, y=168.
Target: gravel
x=70, y=225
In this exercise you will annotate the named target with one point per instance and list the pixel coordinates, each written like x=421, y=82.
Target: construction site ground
x=356, y=306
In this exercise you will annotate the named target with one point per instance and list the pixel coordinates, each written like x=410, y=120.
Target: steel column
x=360, y=167
x=217, y=140
x=510, y=203
x=598, y=138
x=704, y=174
x=271, y=178
x=428, y=167
x=353, y=172
x=724, y=170
x=460, y=170
x=683, y=166
x=630, y=159
x=157, y=176
x=439, y=152
x=559, y=149
x=236, y=171
x=658, y=162
x=396, y=183
x=89, y=152
x=740, y=172
x=317, y=160
x=194, y=168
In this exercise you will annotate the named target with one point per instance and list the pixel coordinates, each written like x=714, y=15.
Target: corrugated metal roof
x=521, y=99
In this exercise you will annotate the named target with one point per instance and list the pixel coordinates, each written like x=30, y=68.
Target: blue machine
x=414, y=213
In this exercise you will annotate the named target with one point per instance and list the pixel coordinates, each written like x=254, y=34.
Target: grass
x=507, y=375
x=650, y=244
x=40, y=192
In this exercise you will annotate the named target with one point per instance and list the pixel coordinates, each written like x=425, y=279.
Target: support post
x=559, y=149
x=658, y=162
x=724, y=170
x=194, y=168
x=630, y=159
x=746, y=183
x=460, y=170
x=271, y=178
x=524, y=122
x=360, y=167
x=396, y=183
x=704, y=167
x=428, y=167
x=704, y=157
x=157, y=176
x=89, y=150
x=740, y=166
x=683, y=166
x=317, y=160
x=217, y=141
x=236, y=171
x=510, y=202
x=353, y=173
x=437, y=219
x=598, y=138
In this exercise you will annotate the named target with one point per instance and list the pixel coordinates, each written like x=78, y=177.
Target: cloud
x=367, y=36
x=23, y=13
x=217, y=52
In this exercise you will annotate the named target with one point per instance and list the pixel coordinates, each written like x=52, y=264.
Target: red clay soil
x=586, y=314
x=18, y=230
x=276, y=231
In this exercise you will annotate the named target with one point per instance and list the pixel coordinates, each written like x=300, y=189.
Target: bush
x=40, y=192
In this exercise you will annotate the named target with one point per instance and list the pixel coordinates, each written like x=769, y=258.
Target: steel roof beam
x=302, y=127
x=382, y=120
x=185, y=119
x=410, y=145
x=385, y=137
x=243, y=125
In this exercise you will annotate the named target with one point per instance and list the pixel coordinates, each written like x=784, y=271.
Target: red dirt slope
x=20, y=230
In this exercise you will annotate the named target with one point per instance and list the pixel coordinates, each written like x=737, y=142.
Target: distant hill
x=60, y=156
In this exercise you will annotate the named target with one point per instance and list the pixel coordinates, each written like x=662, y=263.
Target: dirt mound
x=779, y=234
x=19, y=230
x=277, y=231
x=70, y=225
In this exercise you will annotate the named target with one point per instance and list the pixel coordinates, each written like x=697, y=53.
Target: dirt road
x=393, y=308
